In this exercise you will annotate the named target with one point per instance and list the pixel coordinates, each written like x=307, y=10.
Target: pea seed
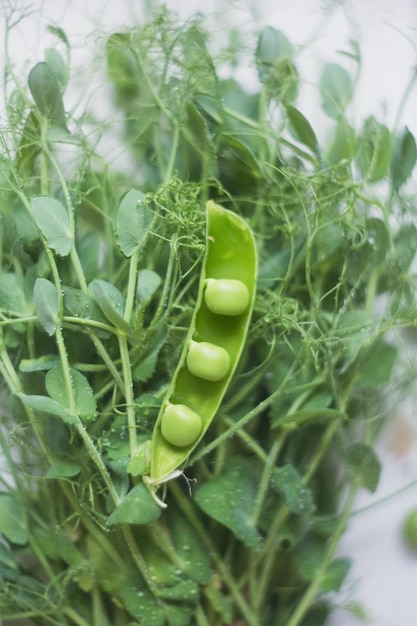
x=207, y=360
x=180, y=425
x=226, y=296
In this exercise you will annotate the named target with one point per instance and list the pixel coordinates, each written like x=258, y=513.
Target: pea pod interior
x=230, y=254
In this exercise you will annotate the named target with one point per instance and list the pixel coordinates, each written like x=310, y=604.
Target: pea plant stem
x=139, y=560
x=76, y=617
x=131, y=285
x=266, y=478
x=313, y=588
x=243, y=421
x=266, y=559
x=128, y=389
x=246, y=611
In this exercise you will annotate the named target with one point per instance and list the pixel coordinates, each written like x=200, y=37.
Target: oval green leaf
x=132, y=222
x=46, y=93
x=12, y=519
x=45, y=298
x=138, y=507
x=85, y=403
x=53, y=221
x=301, y=129
x=336, y=89
x=404, y=158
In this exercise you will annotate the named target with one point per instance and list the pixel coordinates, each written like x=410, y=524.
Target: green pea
x=207, y=360
x=226, y=296
x=180, y=425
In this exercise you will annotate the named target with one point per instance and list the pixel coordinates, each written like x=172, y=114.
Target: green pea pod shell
x=230, y=255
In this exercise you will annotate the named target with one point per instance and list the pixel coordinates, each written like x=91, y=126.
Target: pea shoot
x=198, y=348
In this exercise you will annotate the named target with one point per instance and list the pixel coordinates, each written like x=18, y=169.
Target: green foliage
x=98, y=284
x=336, y=90
x=53, y=221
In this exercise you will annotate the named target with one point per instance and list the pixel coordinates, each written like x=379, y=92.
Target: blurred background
x=381, y=587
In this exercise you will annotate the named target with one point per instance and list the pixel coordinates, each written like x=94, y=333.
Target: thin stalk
x=227, y=577
x=139, y=560
x=314, y=587
x=129, y=396
x=131, y=285
x=268, y=553
x=75, y=617
x=265, y=479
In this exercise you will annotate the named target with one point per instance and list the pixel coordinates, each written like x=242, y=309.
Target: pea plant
x=197, y=350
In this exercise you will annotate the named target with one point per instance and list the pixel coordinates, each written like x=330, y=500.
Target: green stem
x=241, y=423
x=267, y=559
x=130, y=400
x=174, y=148
x=265, y=479
x=131, y=286
x=268, y=554
x=75, y=617
x=314, y=587
x=139, y=560
x=226, y=576
x=99, y=612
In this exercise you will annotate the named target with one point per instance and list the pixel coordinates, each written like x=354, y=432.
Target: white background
x=383, y=578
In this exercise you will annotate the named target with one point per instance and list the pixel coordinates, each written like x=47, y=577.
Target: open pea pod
x=213, y=346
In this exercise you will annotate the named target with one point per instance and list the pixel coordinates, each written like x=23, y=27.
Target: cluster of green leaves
x=99, y=276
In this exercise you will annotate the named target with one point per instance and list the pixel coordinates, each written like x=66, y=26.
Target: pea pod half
x=213, y=346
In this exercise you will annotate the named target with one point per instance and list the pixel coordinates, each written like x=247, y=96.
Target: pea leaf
x=13, y=294
x=342, y=144
x=63, y=469
x=146, y=367
x=374, y=150
x=220, y=603
x=57, y=65
x=336, y=90
x=132, y=222
x=148, y=283
x=45, y=404
x=335, y=574
x=53, y=221
x=404, y=157
x=144, y=370
x=12, y=519
x=376, y=364
x=46, y=304
x=85, y=403
x=289, y=484
x=310, y=555
x=57, y=545
x=88, y=247
x=195, y=561
x=301, y=129
x=353, y=330
x=58, y=32
x=229, y=499
x=138, y=507
x=111, y=303
x=79, y=304
x=272, y=45
x=46, y=93
x=39, y=364
x=7, y=559
x=405, y=241
x=142, y=605
x=364, y=465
